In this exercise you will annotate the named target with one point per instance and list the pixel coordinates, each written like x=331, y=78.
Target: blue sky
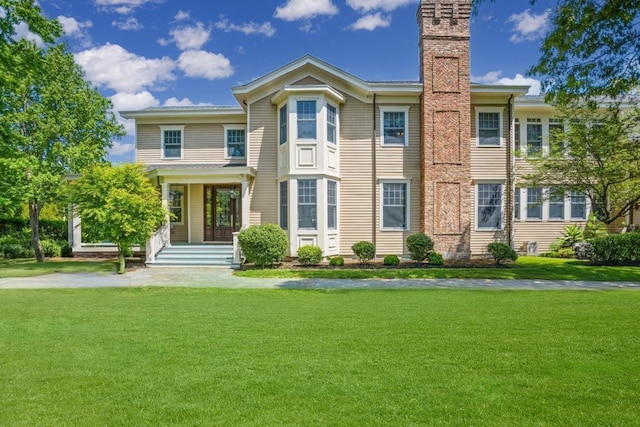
x=143, y=53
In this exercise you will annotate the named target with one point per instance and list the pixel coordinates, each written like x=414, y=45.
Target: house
x=334, y=159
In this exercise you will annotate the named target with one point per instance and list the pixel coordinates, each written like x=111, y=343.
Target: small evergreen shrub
x=309, y=255
x=66, y=250
x=365, y=251
x=435, y=258
x=594, y=228
x=263, y=244
x=616, y=249
x=16, y=250
x=391, y=260
x=564, y=253
x=336, y=261
x=501, y=252
x=50, y=248
x=419, y=246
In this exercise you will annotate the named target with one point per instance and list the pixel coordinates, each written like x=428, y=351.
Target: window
x=234, y=141
x=578, y=205
x=556, y=204
x=284, y=205
x=395, y=126
x=176, y=197
x=534, y=203
x=172, y=137
x=489, y=206
x=307, y=203
x=332, y=205
x=306, y=119
x=284, y=128
x=534, y=137
x=516, y=204
x=489, y=129
x=516, y=139
x=556, y=144
x=394, y=206
x=331, y=123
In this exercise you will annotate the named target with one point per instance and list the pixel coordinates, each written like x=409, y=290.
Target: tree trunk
x=121, y=264
x=34, y=223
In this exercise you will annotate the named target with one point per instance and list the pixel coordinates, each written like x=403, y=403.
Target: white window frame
x=179, y=188
x=283, y=137
x=517, y=213
x=586, y=207
x=548, y=203
x=317, y=120
x=283, y=216
x=405, y=111
x=538, y=122
x=407, y=183
x=477, y=205
x=227, y=128
x=334, y=205
x=299, y=204
x=493, y=110
x=540, y=202
x=334, y=124
x=171, y=128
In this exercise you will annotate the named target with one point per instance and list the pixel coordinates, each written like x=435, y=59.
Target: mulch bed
x=350, y=264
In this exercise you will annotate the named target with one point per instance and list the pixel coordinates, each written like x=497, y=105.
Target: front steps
x=213, y=255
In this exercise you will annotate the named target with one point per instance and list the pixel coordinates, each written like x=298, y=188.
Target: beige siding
x=197, y=213
x=542, y=232
x=263, y=155
x=203, y=143
x=307, y=81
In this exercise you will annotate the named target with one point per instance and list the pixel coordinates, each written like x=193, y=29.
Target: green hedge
x=49, y=229
x=616, y=249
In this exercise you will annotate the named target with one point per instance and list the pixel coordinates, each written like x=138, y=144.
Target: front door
x=221, y=212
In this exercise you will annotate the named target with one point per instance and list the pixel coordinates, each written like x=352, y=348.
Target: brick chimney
x=446, y=124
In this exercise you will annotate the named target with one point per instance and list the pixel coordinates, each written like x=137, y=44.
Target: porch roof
x=200, y=169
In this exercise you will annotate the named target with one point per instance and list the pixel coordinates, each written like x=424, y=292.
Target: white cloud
x=130, y=23
x=182, y=15
x=198, y=63
x=371, y=22
x=192, y=37
x=118, y=148
x=112, y=66
x=123, y=101
x=305, y=9
x=123, y=10
x=73, y=27
x=529, y=27
x=494, y=78
x=184, y=102
x=386, y=5
x=247, y=28
x=22, y=32
x=123, y=7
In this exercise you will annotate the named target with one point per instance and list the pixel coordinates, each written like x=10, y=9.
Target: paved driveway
x=224, y=278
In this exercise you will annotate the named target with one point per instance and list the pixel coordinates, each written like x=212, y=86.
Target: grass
x=161, y=356
x=527, y=267
x=30, y=268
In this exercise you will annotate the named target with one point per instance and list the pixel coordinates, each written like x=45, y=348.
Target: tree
x=598, y=154
x=16, y=12
x=121, y=205
x=52, y=123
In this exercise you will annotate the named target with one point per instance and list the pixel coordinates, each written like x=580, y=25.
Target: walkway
x=224, y=278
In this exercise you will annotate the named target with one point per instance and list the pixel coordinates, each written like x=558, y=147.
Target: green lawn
x=160, y=356
x=30, y=268
x=527, y=267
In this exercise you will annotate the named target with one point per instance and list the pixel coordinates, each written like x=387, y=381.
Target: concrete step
x=195, y=256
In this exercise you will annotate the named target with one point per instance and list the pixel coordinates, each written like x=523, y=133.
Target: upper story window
x=235, y=142
x=306, y=116
x=332, y=115
x=489, y=215
x=556, y=144
x=284, y=124
x=395, y=126
x=534, y=137
x=489, y=129
x=516, y=137
x=395, y=205
x=172, y=141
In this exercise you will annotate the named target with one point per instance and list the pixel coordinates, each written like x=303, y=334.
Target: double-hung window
x=394, y=126
x=284, y=205
x=516, y=138
x=332, y=205
x=489, y=129
x=516, y=204
x=176, y=203
x=556, y=144
x=578, y=205
x=489, y=206
x=332, y=116
x=534, y=203
x=534, y=137
x=306, y=114
x=307, y=203
x=284, y=128
x=235, y=142
x=172, y=141
x=395, y=206
x=556, y=204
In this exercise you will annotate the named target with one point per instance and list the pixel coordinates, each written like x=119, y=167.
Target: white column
x=76, y=230
x=188, y=212
x=245, y=202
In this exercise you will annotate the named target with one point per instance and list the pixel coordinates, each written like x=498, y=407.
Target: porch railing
x=237, y=252
x=157, y=242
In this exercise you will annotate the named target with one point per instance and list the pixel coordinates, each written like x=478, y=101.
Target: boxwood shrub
x=336, y=261
x=501, y=252
x=365, y=251
x=309, y=255
x=616, y=249
x=435, y=258
x=420, y=246
x=391, y=260
x=263, y=244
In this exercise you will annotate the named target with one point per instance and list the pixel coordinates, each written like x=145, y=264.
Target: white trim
x=293, y=131
x=502, y=202
x=392, y=109
x=179, y=187
x=189, y=213
x=227, y=128
x=407, y=208
x=500, y=111
x=164, y=128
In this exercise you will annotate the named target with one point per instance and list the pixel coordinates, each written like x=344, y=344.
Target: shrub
x=50, y=248
x=336, y=261
x=419, y=246
x=435, y=258
x=391, y=260
x=66, y=250
x=616, y=249
x=501, y=252
x=309, y=255
x=264, y=244
x=571, y=235
x=583, y=250
x=564, y=253
x=49, y=229
x=594, y=228
x=365, y=251
x=16, y=250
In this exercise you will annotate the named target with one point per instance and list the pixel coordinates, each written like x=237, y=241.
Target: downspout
x=509, y=195
x=374, y=188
